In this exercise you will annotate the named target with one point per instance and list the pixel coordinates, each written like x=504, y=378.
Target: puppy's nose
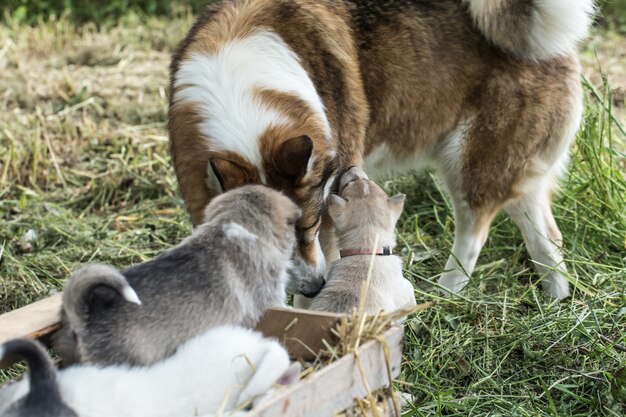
x=314, y=288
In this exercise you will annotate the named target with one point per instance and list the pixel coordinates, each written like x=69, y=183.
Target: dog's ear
x=396, y=205
x=292, y=156
x=336, y=205
x=228, y=174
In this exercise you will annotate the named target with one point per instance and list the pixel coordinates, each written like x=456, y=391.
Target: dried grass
x=84, y=162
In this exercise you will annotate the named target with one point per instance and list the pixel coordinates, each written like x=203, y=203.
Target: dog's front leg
x=470, y=233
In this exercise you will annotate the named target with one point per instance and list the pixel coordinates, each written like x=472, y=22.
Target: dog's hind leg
x=533, y=215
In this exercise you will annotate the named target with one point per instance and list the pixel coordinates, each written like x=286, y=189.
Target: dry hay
x=352, y=331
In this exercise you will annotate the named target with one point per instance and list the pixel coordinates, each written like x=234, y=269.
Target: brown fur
x=403, y=74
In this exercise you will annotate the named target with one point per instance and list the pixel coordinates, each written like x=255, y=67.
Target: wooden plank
x=301, y=331
x=333, y=388
x=34, y=320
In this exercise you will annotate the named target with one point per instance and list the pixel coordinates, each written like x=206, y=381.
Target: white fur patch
x=559, y=25
x=223, y=85
x=320, y=268
x=382, y=161
x=235, y=231
x=449, y=158
x=328, y=186
x=130, y=295
x=555, y=28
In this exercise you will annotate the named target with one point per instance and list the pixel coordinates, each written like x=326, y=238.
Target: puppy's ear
x=101, y=298
x=336, y=205
x=396, y=205
x=292, y=156
x=228, y=174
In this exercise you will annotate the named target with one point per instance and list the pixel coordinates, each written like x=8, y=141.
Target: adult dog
x=290, y=93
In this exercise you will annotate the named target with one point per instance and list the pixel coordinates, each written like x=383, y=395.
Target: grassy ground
x=84, y=164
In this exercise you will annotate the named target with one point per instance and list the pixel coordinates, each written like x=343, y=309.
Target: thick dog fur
x=229, y=271
x=291, y=93
x=224, y=368
x=43, y=399
x=361, y=212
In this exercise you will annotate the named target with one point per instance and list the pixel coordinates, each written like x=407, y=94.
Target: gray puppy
x=229, y=271
x=44, y=398
x=360, y=213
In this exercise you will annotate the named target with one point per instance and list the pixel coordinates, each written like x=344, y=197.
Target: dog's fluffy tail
x=91, y=287
x=533, y=29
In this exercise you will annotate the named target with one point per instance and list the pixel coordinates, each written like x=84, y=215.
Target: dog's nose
x=314, y=288
x=352, y=174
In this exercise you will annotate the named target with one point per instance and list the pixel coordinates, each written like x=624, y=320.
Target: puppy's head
x=363, y=209
x=302, y=172
x=256, y=212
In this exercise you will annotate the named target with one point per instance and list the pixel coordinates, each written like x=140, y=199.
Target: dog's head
x=305, y=175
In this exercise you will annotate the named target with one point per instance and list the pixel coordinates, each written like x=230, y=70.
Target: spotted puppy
x=361, y=212
x=229, y=271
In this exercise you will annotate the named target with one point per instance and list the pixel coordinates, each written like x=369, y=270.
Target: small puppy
x=362, y=211
x=223, y=369
x=44, y=398
x=232, y=269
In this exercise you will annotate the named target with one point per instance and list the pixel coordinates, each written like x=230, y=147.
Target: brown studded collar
x=380, y=251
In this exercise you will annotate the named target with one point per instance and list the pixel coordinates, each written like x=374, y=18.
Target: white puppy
x=220, y=371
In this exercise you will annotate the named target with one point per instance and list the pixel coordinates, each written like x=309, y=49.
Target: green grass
x=84, y=163
x=83, y=11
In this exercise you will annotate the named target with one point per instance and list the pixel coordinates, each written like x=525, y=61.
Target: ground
x=84, y=164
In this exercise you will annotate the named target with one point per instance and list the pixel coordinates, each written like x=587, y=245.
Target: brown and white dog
x=291, y=93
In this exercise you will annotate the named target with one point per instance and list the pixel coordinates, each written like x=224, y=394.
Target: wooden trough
x=324, y=393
